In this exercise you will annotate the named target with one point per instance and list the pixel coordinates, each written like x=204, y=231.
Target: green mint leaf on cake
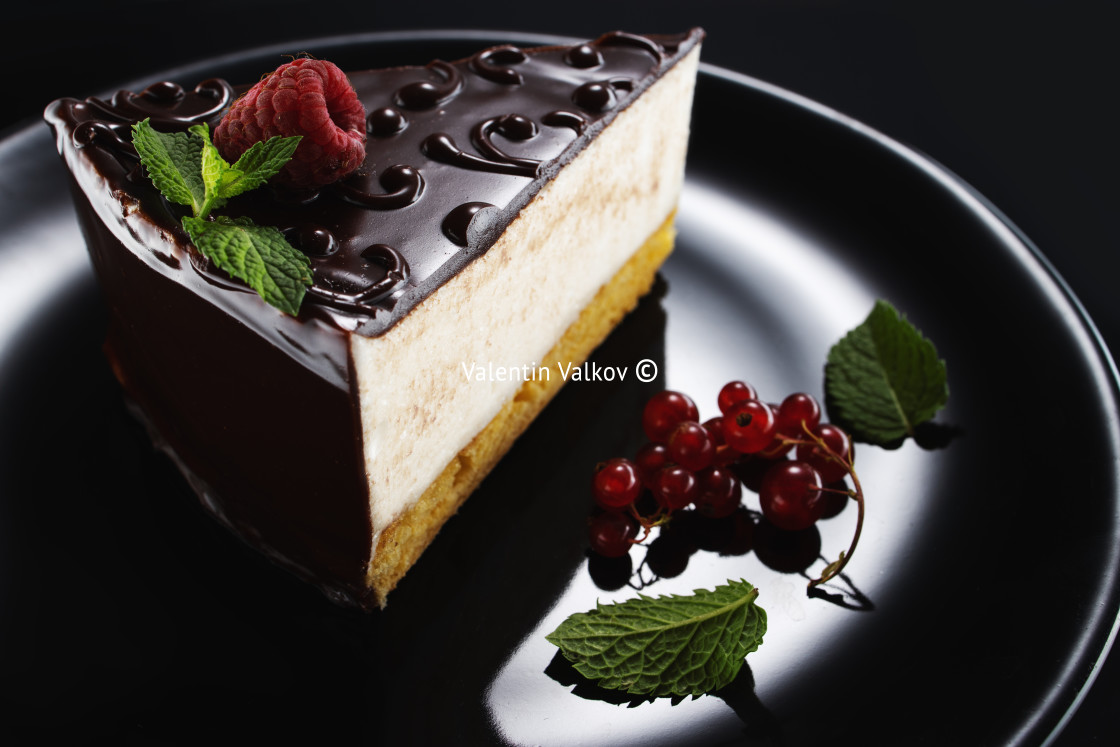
x=257, y=165
x=884, y=378
x=187, y=169
x=257, y=255
x=665, y=646
x=212, y=166
x=174, y=163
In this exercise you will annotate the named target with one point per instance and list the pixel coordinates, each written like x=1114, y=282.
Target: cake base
x=406, y=538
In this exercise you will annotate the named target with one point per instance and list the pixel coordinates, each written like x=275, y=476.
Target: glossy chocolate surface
x=454, y=151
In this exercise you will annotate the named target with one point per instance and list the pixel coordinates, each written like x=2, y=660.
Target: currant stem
x=834, y=568
x=647, y=524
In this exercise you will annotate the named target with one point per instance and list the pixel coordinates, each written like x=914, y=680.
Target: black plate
x=980, y=600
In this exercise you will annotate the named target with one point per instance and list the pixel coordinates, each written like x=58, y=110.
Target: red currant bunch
x=699, y=468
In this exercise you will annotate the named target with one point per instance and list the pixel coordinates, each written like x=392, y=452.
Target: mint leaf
x=884, y=378
x=671, y=645
x=212, y=167
x=258, y=164
x=189, y=170
x=256, y=255
x=173, y=161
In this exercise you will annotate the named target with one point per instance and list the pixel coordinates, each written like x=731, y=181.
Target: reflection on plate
x=972, y=613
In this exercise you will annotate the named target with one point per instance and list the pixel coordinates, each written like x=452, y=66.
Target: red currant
x=676, y=487
x=611, y=533
x=749, y=426
x=617, y=484
x=733, y=393
x=664, y=411
x=690, y=445
x=830, y=468
x=790, y=496
x=715, y=428
x=725, y=456
x=797, y=413
x=720, y=492
x=650, y=459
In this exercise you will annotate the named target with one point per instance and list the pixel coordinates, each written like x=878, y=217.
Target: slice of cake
x=511, y=208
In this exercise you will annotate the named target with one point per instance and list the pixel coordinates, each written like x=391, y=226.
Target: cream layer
x=508, y=307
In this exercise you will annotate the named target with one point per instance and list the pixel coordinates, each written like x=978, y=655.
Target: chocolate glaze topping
x=455, y=150
x=489, y=129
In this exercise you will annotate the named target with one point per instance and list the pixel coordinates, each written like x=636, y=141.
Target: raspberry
x=312, y=98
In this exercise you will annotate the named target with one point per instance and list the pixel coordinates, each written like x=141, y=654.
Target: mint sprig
x=188, y=170
x=259, y=256
x=884, y=378
x=174, y=163
x=669, y=645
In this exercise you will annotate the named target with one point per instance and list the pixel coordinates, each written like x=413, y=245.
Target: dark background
x=1017, y=98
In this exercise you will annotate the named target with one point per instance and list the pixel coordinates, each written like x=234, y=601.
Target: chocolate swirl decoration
x=512, y=126
x=355, y=292
x=165, y=103
x=108, y=135
x=623, y=39
x=441, y=147
x=313, y=240
x=505, y=107
x=385, y=122
x=343, y=286
x=564, y=118
x=583, y=56
x=403, y=185
x=599, y=96
x=493, y=64
x=424, y=94
x=456, y=223
x=160, y=102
